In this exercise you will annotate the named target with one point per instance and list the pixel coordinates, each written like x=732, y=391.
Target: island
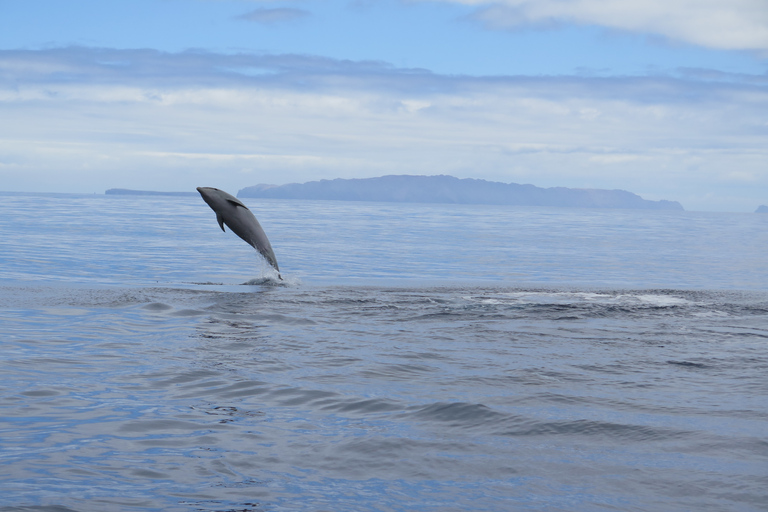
x=448, y=189
x=762, y=209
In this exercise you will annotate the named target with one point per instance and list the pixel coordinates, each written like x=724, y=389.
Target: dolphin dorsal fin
x=220, y=221
x=236, y=202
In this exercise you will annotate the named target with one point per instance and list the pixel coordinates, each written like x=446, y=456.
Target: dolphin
x=232, y=212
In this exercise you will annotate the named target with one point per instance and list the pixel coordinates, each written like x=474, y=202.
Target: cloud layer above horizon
x=155, y=120
x=731, y=25
x=269, y=16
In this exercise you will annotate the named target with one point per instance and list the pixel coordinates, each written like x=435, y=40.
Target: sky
x=667, y=99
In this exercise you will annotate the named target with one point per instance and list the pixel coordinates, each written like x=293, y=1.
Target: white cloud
x=723, y=24
x=271, y=16
x=174, y=121
x=615, y=158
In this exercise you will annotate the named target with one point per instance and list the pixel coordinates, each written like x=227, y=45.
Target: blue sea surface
x=415, y=358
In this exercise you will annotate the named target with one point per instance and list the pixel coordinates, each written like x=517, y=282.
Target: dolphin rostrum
x=232, y=212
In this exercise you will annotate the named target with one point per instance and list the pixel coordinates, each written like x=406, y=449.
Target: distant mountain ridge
x=447, y=189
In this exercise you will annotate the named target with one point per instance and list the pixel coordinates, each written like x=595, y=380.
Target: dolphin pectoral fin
x=220, y=221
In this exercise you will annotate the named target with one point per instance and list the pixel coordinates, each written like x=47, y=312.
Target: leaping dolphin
x=232, y=212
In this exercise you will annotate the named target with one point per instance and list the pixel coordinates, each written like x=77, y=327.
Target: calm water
x=417, y=358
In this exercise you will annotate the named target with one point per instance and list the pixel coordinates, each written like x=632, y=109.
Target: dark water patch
x=728, y=331
x=224, y=506
x=479, y=418
x=157, y=306
x=41, y=393
x=189, y=312
x=428, y=356
x=292, y=397
x=161, y=427
x=689, y=364
x=229, y=413
x=748, y=448
x=163, y=380
x=593, y=429
x=459, y=414
x=219, y=387
x=357, y=406
x=42, y=508
x=399, y=371
x=618, y=369
x=245, y=320
x=387, y=457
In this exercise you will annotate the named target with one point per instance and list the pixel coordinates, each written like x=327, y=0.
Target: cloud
x=271, y=16
x=730, y=25
x=82, y=119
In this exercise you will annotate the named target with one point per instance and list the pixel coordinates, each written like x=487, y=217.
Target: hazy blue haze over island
x=447, y=189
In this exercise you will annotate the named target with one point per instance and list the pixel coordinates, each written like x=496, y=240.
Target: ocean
x=416, y=357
